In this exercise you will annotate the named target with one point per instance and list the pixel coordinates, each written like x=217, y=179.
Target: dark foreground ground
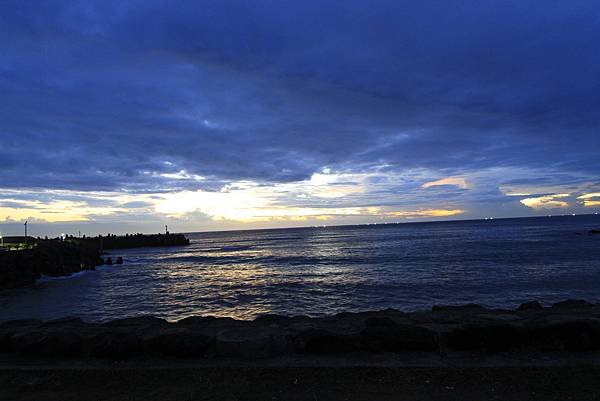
x=580, y=382
x=448, y=353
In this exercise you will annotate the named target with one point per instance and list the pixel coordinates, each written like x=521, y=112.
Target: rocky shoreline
x=570, y=326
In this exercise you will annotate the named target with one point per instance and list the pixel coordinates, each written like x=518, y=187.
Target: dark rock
x=344, y=315
x=572, y=303
x=119, y=260
x=65, y=321
x=479, y=337
x=200, y=320
x=594, y=232
x=271, y=318
x=323, y=342
x=531, y=305
x=456, y=308
x=138, y=321
x=250, y=343
x=25, y=342
x=384, y=335
x=566, y=327
x=177, y=343
x=5, y=343
x=64, y=343
x=380, y=322
x=563, y=334
x=111, y=345
x=108, y=261
x=15, y=327
x=21, y=323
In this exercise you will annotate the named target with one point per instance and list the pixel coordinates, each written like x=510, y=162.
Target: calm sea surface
x=316, y=271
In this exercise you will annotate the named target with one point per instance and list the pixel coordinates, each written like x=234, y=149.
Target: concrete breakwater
x=566, y=327
x=62, y=257
x=139, y=241
x=51, y=258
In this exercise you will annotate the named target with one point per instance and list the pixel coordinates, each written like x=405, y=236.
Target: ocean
x=325, y=270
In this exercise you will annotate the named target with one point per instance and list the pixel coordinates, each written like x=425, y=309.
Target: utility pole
x=26, y=241
x=166, y=230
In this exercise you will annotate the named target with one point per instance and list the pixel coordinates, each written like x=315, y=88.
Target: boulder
x=5, y=344
x=10, y=328
x=564, y=334
x=111, y=345
x=385, y=335
x=65, y=321
x=572, y=303
x=324, y=342
x=20, y=324
x=457, y=308
x=177, y=343
x=25, y=342
x=530, y=305
x=202, y=320
x=484, y=337
x=60, y=343
x=139, y=321
x=271, y=318
x=250, y=343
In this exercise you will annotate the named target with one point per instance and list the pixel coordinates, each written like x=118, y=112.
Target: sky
x=123, y=116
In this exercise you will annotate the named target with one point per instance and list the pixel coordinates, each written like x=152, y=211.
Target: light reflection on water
x=318, y=271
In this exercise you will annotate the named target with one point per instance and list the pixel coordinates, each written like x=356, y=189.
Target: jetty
x=25, y=259
x=139, y=241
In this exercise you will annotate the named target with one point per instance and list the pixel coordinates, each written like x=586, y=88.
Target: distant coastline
x=400, y=223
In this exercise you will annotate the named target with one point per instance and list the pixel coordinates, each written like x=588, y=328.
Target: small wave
x=234, y=248
x=296, y=260
x=81, y=273
x=45, y=279
x=202, y=259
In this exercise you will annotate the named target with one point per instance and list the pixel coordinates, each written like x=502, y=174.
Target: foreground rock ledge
x=569, y=326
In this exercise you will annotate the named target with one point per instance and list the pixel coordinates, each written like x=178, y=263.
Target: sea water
x=325, y=270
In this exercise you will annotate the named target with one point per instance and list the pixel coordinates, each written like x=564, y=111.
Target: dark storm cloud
x=123, y=95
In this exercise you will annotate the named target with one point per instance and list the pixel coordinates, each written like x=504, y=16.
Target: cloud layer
x=473, y=107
